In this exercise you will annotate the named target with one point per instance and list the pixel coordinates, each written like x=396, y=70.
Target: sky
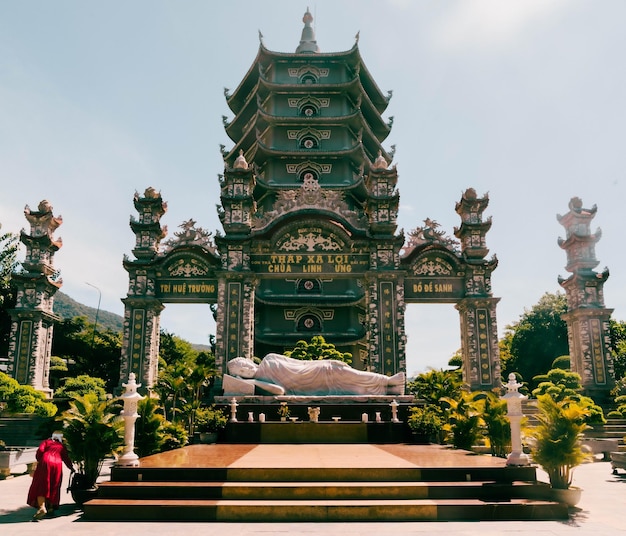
x=522, y=99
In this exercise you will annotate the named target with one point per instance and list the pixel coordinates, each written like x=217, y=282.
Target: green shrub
x=210, y=419
x=566, y=385
x=175, y=436
x=24, y=398
x=149, y=437
x=82, y=385
x=562, y=362
x=425, y=421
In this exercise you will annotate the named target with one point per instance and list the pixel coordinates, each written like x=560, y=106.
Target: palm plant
x=556, y=446
x=435, y=384
x=93, y=431
x=497, y=424
x=148, y=434
x=464, y=419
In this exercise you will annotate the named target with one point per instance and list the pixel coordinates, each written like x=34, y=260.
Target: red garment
x=47, y=478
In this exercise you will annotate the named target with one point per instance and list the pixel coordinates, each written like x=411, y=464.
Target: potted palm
x=425, y=424
x=555, y=444
x=209, y=421
x=93, y=431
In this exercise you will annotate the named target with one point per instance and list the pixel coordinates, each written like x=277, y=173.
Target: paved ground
x=602, y=511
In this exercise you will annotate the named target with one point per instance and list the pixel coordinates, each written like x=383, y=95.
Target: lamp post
x=130, y=398
x=95, y=324
x=514, y=406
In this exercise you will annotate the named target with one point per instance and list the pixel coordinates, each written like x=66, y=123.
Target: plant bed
x=14, y=456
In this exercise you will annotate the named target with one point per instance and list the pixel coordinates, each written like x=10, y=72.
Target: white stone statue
x=314, y=414
x=279, y=375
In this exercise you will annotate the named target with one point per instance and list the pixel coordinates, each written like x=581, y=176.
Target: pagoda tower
x=587, y=318
x=32, y=319
x=309, y=243
x=308, y=209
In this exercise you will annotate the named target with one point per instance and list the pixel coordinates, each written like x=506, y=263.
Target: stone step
x=323, y=474
x=495, y=491
x=322, y=510
x=279, y=483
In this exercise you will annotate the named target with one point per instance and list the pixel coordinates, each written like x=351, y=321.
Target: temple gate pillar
x=479, y=333
x=234, y=320
x=140, y=347
x=587, y=318
x=479, y=342
x=386, y=313
x=32, y=319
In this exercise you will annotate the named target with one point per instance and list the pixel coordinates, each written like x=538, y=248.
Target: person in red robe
x=45, y=489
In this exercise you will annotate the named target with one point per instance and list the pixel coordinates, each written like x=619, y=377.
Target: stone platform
x=322, y=482
x=346, y=408
x=303, y=432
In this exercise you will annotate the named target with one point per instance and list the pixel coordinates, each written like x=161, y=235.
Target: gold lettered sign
x=179, y=289
x=310, y=263
x=433, y=288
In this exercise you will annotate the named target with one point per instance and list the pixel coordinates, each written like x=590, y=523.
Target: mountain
x=66, y=307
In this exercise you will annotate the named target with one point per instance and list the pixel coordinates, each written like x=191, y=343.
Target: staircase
x=613, y=429
x=362, y=490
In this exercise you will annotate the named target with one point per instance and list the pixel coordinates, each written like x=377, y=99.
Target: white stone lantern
x=394, y=411
x=233, y=409
x=130, y=398
x=514, y=411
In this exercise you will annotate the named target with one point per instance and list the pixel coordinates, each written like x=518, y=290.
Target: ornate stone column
x=32, y=319
x=235, y=319
x=140, y=347
x=479, y=331
x=479, y=342
x=587, y=318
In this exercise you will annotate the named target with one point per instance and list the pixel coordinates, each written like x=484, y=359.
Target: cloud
x=487, y=23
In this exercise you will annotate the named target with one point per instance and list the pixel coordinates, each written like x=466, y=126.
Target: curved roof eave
x=351, y=151
x=354, y=51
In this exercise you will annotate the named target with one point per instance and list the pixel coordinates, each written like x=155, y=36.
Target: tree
x=537, y=339
x=566, y=386
x=184, y=376
x=618, y=342
x=434, y=385
x=9, y=244
x=88, y=351
x=80, y=386
x=318, y=349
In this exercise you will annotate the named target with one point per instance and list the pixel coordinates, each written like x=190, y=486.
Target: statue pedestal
x=316, y=399
x=315, y=432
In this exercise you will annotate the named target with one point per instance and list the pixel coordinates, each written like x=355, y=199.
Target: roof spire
x=308, y=43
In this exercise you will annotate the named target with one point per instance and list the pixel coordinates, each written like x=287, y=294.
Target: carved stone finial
x=240, y=161
x=151, y=193
x=380, y=162
x=308, y=44
x=44, y=206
